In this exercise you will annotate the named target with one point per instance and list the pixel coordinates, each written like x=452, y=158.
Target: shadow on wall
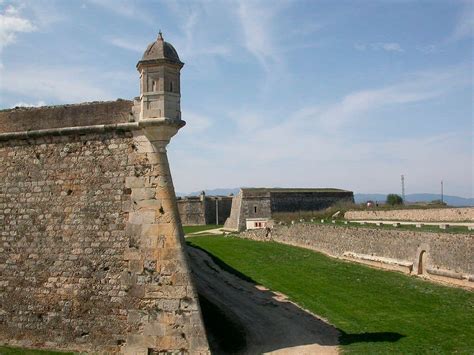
x=241, y=317
x=224, y=335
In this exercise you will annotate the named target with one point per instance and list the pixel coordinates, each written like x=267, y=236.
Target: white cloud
x=55, y=84
x=195, y=122
x=196, y=44
x=125, y=8
x=45, y=13
x=385, y=46
x=465, y=24
x=360, y=46
x=258, y=38
x=25, y=104
x=416, y=87
x=313, y=148
x=11, y=23
x=128, y=44
x=304, y=29
x=429, y=49
x=390, y=47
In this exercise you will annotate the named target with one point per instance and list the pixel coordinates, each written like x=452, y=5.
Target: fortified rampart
x=443, y=256
x=462, y=214
x=201, y=210
x=75, y=115
x=92, y=249
x=263, y=202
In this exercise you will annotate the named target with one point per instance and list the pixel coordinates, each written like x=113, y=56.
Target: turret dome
x=160, y=50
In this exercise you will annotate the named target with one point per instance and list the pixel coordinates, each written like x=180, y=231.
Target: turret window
x=171, y=86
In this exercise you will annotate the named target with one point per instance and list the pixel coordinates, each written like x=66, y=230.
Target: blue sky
x=347, y=94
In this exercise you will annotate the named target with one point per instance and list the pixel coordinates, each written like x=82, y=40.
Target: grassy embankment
x=408, y=227
x=17, y=351
x=376, y=311
x=343, y=207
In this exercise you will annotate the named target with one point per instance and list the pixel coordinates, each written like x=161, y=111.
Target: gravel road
x=244, y=318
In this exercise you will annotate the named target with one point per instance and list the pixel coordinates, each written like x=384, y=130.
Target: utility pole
x=217, y=211
x=403, y=188
x=442, y=192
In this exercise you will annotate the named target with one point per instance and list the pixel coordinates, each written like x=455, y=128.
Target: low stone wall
x=442, y=256
x=420, y=215
x=192, y=211
x=48, y=117
x=308, y=201
x=195, y=210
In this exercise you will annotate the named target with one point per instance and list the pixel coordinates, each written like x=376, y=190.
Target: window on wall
x=171, y=86
x=254, y=209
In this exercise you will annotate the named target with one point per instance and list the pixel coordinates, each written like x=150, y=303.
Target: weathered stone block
x=134, y=182
x=142, y=217
x=136, y=266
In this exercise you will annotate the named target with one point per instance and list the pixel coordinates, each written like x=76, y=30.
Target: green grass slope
x=22, y=351
x=376, y=311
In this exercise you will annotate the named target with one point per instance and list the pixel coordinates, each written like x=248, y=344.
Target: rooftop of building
x=160, y=50
x=293, y=190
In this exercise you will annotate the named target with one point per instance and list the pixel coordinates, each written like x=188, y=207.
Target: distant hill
x=450, y=200
x=359, y=198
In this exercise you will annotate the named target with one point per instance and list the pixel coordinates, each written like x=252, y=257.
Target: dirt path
x=267, y=321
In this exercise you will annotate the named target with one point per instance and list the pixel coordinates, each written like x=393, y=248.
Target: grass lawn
x=410, y=227
x=194, y=229
x=376, y=311
x=18, y=351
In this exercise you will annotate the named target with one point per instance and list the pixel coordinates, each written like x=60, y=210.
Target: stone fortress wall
x=201, y=210
x=441, y=256
x=60, y=116
x=92, y=250
x=306, y=200
x=191, y=211
x=462, y=214
x=233, y=220
x=91, y=253
x=264, y=202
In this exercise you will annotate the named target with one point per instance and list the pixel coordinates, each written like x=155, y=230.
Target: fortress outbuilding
x=257, y=205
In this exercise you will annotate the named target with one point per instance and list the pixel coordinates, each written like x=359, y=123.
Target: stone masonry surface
x=264, y=202
x=420, y=215
x=91, y=252
x=201, y=210
x=453, y=253
x=83, y=114
x=192, y=211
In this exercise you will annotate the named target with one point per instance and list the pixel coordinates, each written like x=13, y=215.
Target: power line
x=403, y=188
x=442, y=192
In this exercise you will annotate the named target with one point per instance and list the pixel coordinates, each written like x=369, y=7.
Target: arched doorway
x=422, y=262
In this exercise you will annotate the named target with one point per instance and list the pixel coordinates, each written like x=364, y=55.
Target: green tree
x=394, y=199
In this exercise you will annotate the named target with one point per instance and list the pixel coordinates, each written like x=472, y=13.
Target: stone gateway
x=92, y=251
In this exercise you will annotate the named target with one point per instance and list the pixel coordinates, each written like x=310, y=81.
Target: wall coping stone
x=381, y=259
x=129, y=126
